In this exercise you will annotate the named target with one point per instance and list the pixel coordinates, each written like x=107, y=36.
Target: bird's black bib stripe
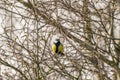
x=57, y=45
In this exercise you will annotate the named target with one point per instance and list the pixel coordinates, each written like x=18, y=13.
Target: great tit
x=57, y=47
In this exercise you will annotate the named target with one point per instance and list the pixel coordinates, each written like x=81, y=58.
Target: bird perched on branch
x=57, y=47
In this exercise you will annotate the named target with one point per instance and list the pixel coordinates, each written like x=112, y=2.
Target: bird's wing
x=54, y=48
x=61, y=48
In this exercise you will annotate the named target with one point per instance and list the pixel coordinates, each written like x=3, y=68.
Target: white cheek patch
x=55, y=41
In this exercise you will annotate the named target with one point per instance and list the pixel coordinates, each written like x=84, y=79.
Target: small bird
x=57, y=47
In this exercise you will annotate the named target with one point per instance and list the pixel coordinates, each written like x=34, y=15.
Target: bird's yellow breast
x=59, y=48
x=54, y=48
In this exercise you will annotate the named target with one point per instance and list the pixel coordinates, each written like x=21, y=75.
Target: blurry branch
x=63, y=30
x=34, y=9
x=15, y=13
x=61, y=71
x=12, y=66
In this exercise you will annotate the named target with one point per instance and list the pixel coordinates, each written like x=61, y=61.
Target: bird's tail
x=62, y=54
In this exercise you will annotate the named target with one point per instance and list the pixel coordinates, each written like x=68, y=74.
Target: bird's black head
x=57, y=40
